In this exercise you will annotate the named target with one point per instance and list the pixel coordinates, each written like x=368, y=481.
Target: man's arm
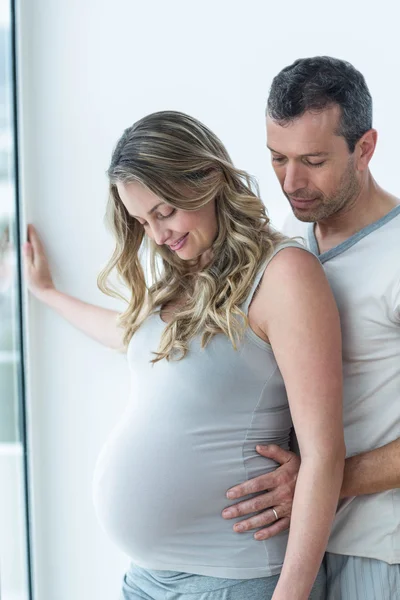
x=366, y=473
x=373, y=471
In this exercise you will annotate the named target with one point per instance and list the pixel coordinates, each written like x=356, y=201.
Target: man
x=319, y=133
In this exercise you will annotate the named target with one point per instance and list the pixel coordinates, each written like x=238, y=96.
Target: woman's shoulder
x=283, y=255
x=291, y=264
x=280, y=242
x=291, y=278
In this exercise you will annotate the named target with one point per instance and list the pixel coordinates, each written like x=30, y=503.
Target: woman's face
x=188, y=233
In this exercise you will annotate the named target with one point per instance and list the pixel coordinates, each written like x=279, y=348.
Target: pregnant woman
x=230, y=327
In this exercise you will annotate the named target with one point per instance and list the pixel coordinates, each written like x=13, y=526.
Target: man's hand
x=279, y=487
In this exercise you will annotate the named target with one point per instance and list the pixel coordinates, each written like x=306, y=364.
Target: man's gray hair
x=313, y=84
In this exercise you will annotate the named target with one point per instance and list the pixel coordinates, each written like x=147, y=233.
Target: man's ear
x=365, y=149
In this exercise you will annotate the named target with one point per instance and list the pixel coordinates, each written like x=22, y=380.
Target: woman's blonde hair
x=184, y=163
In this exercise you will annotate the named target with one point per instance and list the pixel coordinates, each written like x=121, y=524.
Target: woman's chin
x=199, y=255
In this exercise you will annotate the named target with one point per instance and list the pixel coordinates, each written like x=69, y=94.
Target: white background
x=88, y=70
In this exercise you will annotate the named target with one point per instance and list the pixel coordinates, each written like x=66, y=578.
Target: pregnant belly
x=156, y=487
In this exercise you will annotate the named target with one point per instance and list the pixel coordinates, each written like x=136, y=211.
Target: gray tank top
x=188, y=434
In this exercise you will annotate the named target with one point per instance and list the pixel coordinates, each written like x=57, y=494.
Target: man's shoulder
x=292, y=227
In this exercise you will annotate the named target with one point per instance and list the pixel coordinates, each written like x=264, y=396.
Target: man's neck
x=371, y=204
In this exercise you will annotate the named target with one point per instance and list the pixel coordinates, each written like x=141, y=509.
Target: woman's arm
x=98, y=323
x=302, y=324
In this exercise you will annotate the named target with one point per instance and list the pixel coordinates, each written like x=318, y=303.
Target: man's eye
x=319, y=164
x=278, y=159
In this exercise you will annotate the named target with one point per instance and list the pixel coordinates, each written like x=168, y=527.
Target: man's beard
x=326, y=206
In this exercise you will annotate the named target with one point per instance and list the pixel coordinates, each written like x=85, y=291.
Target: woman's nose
x=160, y=234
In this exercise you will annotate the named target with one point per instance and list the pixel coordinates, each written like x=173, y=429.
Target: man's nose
x=295, y=179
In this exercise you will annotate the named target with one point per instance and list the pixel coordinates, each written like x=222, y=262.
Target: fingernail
x=257, y=536
x=238, y=527
x=227, y=513
x=230, y=494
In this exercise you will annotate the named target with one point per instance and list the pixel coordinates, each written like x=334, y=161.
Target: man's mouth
x=301, y=202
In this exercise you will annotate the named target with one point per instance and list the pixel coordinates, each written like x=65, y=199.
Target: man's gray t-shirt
x=364, y=274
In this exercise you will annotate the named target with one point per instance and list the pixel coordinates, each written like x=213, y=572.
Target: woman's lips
x=179, y=243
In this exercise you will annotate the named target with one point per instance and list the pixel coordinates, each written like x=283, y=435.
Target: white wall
x=89, y=69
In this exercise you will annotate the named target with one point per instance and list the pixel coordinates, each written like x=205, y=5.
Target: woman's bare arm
x=302, y=324
x=96, y=322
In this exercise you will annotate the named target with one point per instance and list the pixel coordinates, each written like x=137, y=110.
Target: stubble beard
x=343, y=198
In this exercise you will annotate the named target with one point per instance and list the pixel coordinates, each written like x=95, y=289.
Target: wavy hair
x=181, y=161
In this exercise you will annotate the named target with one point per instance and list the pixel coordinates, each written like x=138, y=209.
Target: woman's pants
x=143, y=584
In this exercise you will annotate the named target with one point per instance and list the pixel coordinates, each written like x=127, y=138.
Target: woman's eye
x=173, y=211
x=278, y=159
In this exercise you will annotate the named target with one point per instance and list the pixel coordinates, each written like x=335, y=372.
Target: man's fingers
x=265, y=518
x=247, y=507
x=252, y=486
x=274, y=529
x=275, y=452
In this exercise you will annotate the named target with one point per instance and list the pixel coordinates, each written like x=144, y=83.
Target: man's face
x=313, y=164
